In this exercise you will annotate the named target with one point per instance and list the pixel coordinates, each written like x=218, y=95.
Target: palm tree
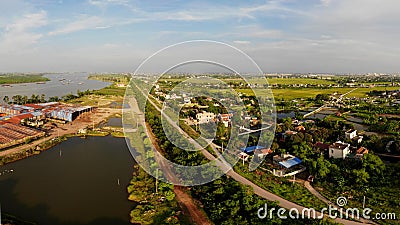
x=25, y=99
x=6, y=99
x=42, y=98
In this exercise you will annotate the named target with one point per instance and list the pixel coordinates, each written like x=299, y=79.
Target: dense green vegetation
x=228, y=202
x=151, y=207
x=224, y=200
x=110, y=90
x=281, y=186
x=350, y=178
x=22, y=78
x=115, y=78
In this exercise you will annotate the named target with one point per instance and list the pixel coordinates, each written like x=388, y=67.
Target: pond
x=80, y=181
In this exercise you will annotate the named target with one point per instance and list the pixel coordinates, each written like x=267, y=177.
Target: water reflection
x=79, y=186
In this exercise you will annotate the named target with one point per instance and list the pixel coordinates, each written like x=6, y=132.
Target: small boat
x=40, y=82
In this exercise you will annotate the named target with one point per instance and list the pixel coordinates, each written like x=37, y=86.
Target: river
x=70, y=83
x=75, y=182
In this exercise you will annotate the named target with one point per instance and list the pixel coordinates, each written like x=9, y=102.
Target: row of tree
x=23, y=99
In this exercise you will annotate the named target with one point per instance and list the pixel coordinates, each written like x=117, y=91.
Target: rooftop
x=339, y=145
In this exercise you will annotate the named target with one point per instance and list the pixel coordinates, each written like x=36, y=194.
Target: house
x=247, y=117
x=243, y=156
x=287, y=165
x=205, y=117
x=358, y=139
x=289, y=132
x=121, y=85
x=251, y=149
x=361, y=152
x=321, y=146
x=261, y=153
x=226, y=118
x=339, y=150
x=300, y=128
x=187, y=100
x=350, y=134
x=82, y=131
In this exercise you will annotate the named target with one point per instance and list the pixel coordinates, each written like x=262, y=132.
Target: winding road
x=223, y=165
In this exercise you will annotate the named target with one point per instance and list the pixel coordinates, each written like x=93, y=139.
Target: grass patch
x=22, y=78
x=282, y=187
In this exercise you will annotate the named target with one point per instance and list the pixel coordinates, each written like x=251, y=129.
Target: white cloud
x=92, y=22
x=20, y=34
x=108, y=2
x=272, y=6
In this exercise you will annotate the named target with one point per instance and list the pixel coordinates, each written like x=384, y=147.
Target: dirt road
x=184, y=200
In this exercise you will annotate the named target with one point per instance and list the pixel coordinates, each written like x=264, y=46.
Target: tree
x=167, y=190
x=6, y=99
x=360, y=176
x=42, y=98
x=303, y=150
x=323, y=168
x=322, y=97
x=373, y=164
x=54, y=99
x=25, y=99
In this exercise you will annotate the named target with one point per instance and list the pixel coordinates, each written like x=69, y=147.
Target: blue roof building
x=251, y=149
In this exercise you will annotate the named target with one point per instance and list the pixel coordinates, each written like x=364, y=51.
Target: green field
x=284, y=81
x=296, y=93
x=291, y=81
x=21, y=78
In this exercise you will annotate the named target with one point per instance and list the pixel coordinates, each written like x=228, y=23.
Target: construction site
x=21, y=124
x=14, y=134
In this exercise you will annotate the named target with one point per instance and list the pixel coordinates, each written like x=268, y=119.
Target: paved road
x=257, y=190
x=322, y=198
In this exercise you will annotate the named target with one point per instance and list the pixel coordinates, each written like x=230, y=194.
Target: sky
x=305, y=36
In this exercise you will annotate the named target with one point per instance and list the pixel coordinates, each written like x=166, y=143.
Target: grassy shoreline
x=17, y=78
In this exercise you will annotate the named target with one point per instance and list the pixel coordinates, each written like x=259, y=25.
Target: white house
x=226, y=119
x=205, y=117
x=350, y=134
x=339, y=150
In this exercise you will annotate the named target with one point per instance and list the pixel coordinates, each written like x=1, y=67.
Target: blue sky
x=281, y=35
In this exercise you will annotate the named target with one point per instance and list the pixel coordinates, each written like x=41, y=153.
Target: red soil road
x=184, y=200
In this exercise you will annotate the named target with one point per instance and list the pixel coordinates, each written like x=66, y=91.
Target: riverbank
x=18, y=78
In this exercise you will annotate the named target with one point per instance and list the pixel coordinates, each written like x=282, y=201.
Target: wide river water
x=70, y=83
x=75, y=182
